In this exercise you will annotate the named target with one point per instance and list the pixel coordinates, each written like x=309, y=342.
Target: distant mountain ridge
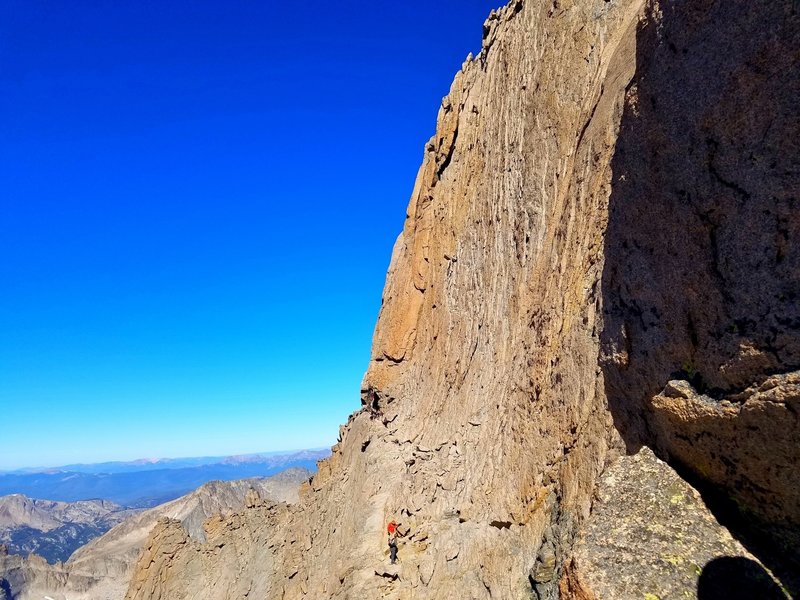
x=147, y=484
x=147, y=464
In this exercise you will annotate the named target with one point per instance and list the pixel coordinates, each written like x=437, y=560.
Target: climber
x=393, y=531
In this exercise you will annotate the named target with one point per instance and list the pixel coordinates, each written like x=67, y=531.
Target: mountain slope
x=18, y=510
x=54, y=530
x=102, y=568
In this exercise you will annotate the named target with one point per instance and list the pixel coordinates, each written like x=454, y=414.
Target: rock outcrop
x=238, y=548
x=608, y=205
x=743, y=445
x=702, y=261
x=652, y=536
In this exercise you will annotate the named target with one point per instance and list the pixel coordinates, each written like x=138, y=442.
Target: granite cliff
x=600, y=253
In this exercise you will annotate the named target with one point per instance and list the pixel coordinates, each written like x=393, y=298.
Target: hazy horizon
x=156, y=459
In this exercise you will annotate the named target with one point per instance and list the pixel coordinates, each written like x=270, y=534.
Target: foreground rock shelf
x=652, y=536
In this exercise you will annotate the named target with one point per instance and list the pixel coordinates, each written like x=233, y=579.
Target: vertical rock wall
x=486, y=418
x=485, y=423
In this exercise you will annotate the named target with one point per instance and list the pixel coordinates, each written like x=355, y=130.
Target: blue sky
x=198, y=202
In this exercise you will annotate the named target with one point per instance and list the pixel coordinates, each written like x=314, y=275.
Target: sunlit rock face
x=606, y=206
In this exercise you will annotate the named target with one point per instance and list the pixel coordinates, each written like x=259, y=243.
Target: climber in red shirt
x=393, y=532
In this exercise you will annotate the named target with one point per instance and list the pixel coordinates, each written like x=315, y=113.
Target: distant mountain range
x=154, y=464
x=146, y=483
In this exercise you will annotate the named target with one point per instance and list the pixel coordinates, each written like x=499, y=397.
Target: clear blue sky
x=198, y=202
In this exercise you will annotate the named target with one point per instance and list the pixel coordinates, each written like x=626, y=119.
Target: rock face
x=239, y=547
x=702, y=269
x=54, y=530
x=607, y=205
x=702, y=262
x=744, y=444
x=101, y=570
x=652, y=536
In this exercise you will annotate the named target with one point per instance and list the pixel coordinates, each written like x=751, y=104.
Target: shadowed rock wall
x=701, y=282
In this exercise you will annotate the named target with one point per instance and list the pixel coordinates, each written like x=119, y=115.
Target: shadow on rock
x=701, y=280
x=734, y=578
